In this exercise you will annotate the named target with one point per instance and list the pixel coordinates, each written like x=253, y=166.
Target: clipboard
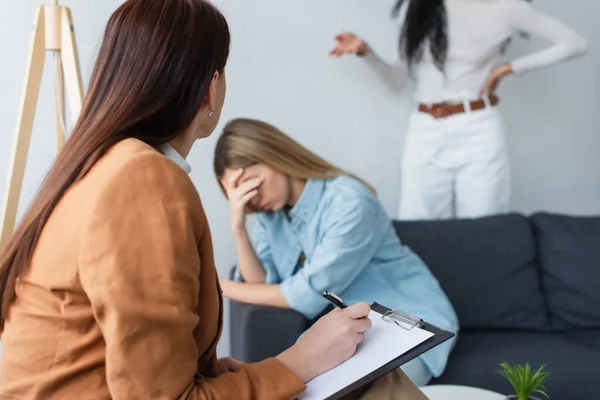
x=403, y=321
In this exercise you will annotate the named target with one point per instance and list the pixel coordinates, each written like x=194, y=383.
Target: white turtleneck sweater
x=477, y=32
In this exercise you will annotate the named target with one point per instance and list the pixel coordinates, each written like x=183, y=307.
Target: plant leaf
x=523, y=382
x=509, y=373
x=524, y=379
x=542, y=390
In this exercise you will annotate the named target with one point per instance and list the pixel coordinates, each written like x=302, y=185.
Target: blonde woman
x=318, y=229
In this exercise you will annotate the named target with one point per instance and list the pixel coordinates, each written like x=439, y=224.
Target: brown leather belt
x=443, y=110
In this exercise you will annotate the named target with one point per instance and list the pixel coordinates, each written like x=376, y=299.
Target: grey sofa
x=526, y=289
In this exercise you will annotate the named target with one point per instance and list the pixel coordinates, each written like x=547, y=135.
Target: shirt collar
x=306, y=206
x=177, y=158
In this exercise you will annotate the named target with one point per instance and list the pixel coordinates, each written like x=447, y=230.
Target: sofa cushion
x=485, y=266
x=475, y=360
x=589, y=338
x=569, y=260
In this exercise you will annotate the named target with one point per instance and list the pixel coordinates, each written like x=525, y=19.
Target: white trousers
x=455, y=167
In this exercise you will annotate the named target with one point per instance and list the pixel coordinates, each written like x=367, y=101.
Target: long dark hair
x=426, y=20
x=153, y=70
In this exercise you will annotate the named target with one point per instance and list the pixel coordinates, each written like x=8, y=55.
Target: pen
x=334, y=299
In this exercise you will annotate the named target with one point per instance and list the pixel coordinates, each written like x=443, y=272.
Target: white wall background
x=279, y=71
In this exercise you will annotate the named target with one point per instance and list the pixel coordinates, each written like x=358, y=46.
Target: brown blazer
x=122, y=298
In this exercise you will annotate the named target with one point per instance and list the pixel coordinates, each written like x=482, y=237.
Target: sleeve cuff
x=372, y=58
x=518, y=67
x=302, y=297
x=280, y=382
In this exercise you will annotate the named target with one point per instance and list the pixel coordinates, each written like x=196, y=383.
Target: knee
x=417, y=372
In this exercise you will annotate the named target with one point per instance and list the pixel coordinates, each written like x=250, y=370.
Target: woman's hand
x=239, y=194
x=228, y=364
x=329, y=342
x=494, y=79
x=349, y=43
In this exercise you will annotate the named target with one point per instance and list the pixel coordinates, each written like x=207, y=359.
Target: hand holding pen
x=330, y=341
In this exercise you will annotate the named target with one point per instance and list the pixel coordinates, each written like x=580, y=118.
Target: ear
x=211, y=96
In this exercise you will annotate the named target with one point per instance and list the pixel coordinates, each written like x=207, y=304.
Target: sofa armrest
x=260, y=332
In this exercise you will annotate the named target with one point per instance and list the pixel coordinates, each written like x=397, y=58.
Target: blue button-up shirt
x=338, y=238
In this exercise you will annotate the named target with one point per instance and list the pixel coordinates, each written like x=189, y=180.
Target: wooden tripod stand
x=52, y=31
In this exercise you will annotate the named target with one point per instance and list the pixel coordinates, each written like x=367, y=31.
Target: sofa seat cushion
x=486, y=266
x=590, y=339
x=575, y=366
x=569, y=260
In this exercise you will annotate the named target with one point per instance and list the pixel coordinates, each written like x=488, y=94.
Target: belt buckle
x=439, y=112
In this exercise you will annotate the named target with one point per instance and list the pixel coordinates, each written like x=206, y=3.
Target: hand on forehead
x=235, y=176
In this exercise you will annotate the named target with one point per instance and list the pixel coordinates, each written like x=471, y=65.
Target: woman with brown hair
x=108, y=285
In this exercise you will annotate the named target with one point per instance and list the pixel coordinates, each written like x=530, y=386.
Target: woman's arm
x=250, y=267
x=255, y=260
x=140, y=267
x=254, y=293
x=239, y=194
x=566, y=43
x=395, y=75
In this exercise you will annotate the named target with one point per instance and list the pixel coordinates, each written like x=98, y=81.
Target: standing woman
x=455, y=161
x=108, y=286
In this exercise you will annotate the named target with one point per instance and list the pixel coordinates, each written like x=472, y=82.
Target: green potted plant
x=524, y=380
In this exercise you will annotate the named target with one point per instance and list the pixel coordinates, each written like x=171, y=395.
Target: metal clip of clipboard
x=402, y=319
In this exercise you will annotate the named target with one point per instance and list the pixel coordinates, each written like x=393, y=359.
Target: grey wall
x=279, y=71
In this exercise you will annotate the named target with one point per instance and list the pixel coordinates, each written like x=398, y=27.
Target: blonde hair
x=246, y=142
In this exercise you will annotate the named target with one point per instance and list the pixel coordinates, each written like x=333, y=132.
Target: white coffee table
x=453, y=392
